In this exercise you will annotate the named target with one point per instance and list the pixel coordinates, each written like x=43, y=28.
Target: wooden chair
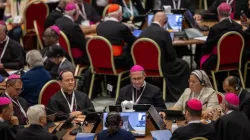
x=31, y=13
x=64, y=42
x=39, y=33
x=101, y=58
x=141, y=50
x=199, y=138
x=229, y=53
x=48, y=90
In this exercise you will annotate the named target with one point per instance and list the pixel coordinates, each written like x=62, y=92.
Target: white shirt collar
x=226, y=18
x=69, y=17
x=4, y=40
x=110, y=19
x=229, y=111
x=156, y=22
x=2, y=120
x=195, y=121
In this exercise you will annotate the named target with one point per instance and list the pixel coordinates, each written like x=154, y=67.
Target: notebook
x=161, y=134
x=134, y=122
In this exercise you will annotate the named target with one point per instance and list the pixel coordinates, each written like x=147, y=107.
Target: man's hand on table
x=75, y=113
x=197, y=17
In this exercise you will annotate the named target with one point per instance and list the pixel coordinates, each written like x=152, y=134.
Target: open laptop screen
x=175, y=22
x=134, y=122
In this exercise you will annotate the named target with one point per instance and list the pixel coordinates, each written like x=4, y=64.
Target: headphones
x=202, y=81
x=112, y=114
x=237, y=85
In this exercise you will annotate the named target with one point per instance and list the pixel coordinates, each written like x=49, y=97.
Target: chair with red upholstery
x=39, y=33
x=101, y=58
x=31, y=13
x=229, y=53
x=246, y=67
x=88, y=1
x=220, y=97
x=64, y=42
x=152, y=64
x=48, y=90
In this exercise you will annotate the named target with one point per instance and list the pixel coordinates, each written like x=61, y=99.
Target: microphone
x=104, y=110
x=57, y=113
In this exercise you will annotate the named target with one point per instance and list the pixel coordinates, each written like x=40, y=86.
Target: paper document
x=203, y=38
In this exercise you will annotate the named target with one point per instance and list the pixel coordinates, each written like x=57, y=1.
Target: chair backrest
x=199, y=138
x=220, y=97
x=31, y=13
x=48, y=90
x=64, y=42
x=141, y=50
x=229, y=51
x=104, y=12
x=39, y=33
x=100, y=54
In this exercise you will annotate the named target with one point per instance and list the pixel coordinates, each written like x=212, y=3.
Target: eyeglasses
x=18, y=90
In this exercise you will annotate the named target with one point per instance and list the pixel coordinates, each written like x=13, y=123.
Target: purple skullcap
x=136, y=68
x=232, y=98
x=56, y=29
x=70, y=6
x=14, y=76
x=224, y=7
x=2, y=22
x=4, y=101
x=194, y=104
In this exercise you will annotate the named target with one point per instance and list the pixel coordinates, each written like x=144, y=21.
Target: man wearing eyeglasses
x=14, y=87
x=141, y=92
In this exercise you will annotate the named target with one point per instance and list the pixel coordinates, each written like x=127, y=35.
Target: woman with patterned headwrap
x=200, y=88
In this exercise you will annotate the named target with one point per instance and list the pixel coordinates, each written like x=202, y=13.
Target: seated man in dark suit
x=114, y=132
x=234, y=124
x=7, y=131
x=55, y=14
x=37, y=119
x=118, y=35
x=12, y=53
x=175, y=70
x=194, y=128
x=87, y=14
x=74, y=33
x=141, y=92
x=232, y=84
x=68, y=100
x=14, y=86
x=226, y=24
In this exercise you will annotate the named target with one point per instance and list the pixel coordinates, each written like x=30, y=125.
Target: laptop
x=175, y=22
x=134, y=122
x=137, y=107
x=161, y=134
x=156, y=119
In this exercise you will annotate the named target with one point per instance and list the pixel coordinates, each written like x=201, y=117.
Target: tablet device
x=137, y=33
x=156, y=119
x=174, y=115
x=67, y=124
x=134, y=122
x=161, y=134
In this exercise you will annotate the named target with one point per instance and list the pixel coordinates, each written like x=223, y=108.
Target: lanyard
x=131, y=7
x=83, y=13
x=190, y=96
x=18, y=104
x=18, y=3
x=4, y=49
x=72, y=100
x=62, y=62
x=230, y=2
x=138, y=99
x=179, y=4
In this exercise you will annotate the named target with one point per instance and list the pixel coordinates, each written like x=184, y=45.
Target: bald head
x=161, y=18
x=230, y=84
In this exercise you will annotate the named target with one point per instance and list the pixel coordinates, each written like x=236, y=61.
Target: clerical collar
x=69, y=17
x=195, y=121
x=144, y=83
x=111, y=19
x=226, y=18
x=156, y=22
x=2, y=120
x=229, y=111
x=1, y=42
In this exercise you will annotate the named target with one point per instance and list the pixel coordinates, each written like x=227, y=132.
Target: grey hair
x=34, y=58
x=71, y=12
x=231, y=106
x=224, y=13
x=35, y=113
